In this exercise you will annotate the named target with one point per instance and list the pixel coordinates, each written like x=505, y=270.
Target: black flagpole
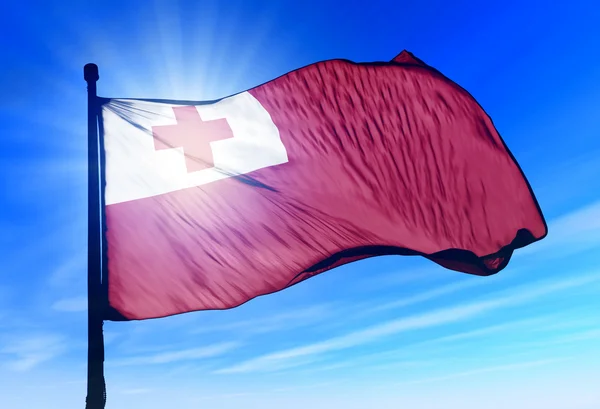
x=96, y=396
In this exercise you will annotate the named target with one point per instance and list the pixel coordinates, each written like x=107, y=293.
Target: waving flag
x=210, y=204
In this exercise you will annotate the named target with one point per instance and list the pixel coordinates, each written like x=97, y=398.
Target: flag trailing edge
x=210, y=204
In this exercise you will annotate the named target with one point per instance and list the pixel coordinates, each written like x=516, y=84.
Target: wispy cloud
x=74, y=304
x=110, y=336
x=26, y=352
x=210, y=351
x=550, y=341
x=496, y=368
x=275, y=322
x=568, y=181
x=270, y=391
x=401, y=277
x=398, y=358
x=429, y=295
x=571, y=233
x=492, y=329
x=72, y=268
x=136, y=391
x=426, y=320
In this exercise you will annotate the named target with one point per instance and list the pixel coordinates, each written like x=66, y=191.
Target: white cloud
x=426, y=320
x=176, y=356
x=27, y=352
x=74, y=304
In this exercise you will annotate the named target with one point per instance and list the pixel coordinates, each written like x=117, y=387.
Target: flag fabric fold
x=210, y=204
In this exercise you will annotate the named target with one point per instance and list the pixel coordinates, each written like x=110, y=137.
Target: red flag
x=209, y=205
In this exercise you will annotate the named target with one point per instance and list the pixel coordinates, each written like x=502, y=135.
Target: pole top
x=90, y=73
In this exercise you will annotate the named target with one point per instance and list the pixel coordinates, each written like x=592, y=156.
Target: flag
x=210, y=204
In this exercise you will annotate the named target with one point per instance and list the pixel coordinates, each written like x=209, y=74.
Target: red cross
x=193, y=135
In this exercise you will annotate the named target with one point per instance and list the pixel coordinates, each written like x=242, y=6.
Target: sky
x=382, y=333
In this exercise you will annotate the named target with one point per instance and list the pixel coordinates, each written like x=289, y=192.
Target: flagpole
x=96, y=396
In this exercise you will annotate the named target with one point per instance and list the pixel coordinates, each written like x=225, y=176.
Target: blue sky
x=384, y=333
